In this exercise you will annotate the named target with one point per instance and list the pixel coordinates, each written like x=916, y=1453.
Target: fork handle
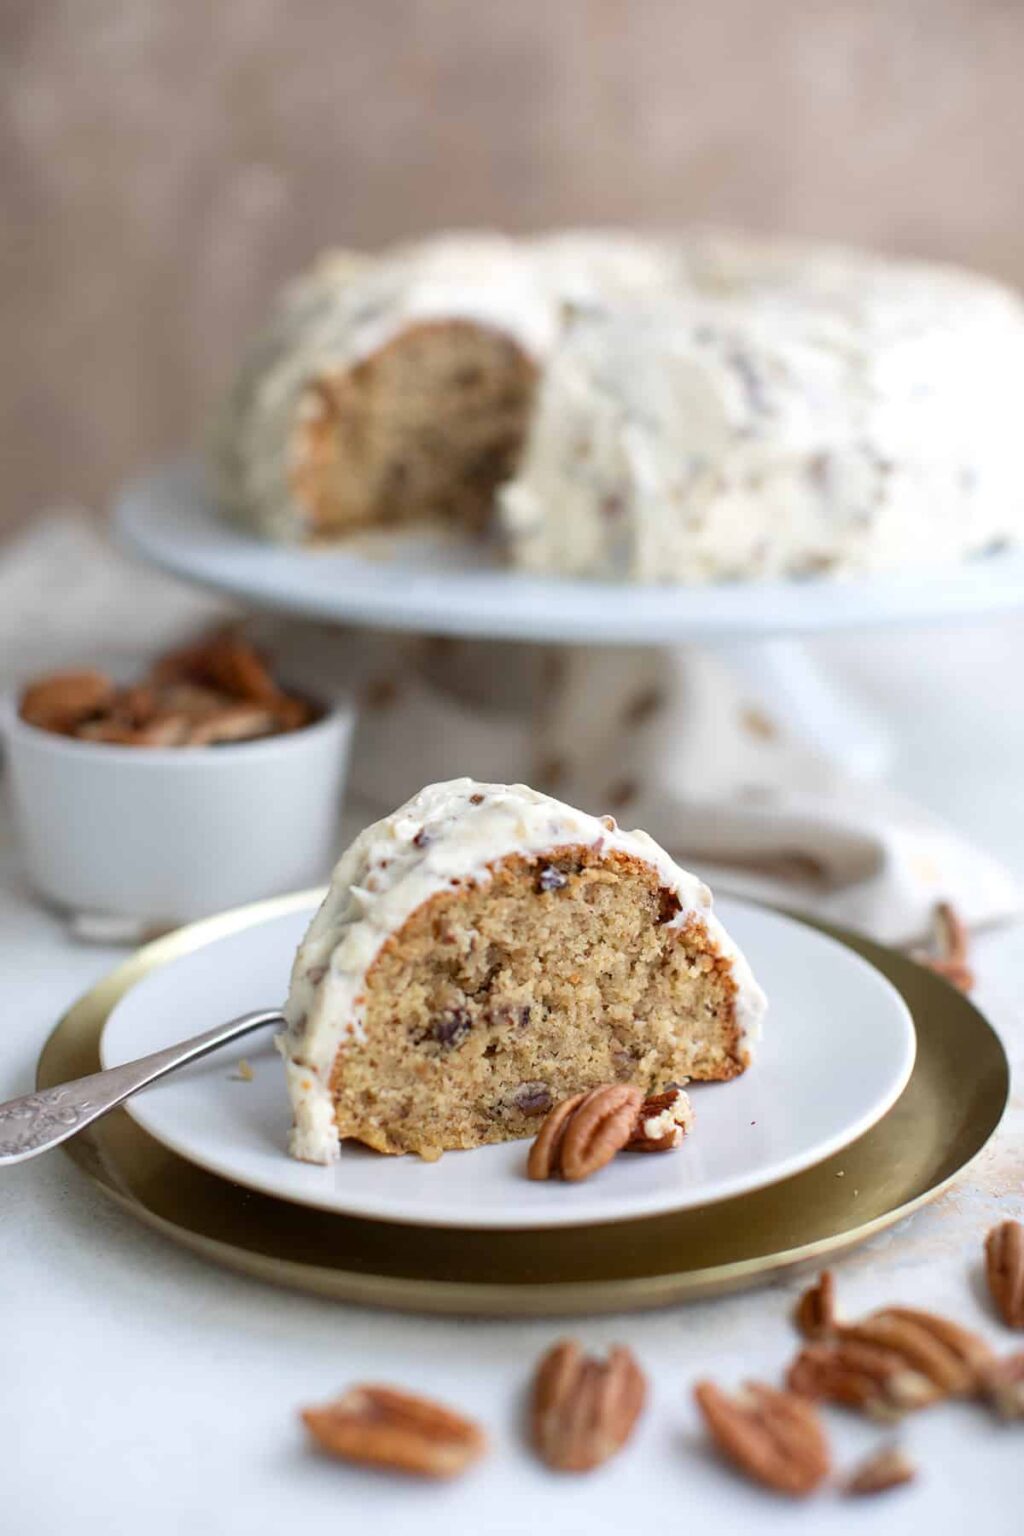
x=38, y=1121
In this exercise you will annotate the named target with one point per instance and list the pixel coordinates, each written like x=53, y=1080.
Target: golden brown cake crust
x=423, y=429
x=496, y=999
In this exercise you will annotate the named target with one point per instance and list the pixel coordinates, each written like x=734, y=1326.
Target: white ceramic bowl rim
x=190, y=759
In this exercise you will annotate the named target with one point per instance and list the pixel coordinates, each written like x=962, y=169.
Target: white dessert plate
x=838, y=1049
x=459, y=587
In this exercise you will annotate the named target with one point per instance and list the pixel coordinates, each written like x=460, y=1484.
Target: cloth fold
x=674, y=741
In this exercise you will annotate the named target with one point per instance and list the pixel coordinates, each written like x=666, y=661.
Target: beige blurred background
x=163, y=165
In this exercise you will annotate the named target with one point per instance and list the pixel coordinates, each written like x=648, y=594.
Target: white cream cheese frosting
x=776, y=414
x=448, y=835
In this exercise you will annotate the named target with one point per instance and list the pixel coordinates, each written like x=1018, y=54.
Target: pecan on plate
x=815, y=1312
x=583, y=1410
x=776, y=1438
x=583, y=1133
x=1004, y=1270
x=384, y=1427
x=664, y=1119
x=888, y=1468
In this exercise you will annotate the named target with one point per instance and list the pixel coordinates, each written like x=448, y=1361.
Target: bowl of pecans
x=204, y=784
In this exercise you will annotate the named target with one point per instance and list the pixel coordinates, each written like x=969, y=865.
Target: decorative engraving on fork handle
x=38, y=1121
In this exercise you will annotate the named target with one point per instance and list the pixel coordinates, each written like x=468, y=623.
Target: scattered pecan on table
x=775, y=1438
x=883, y=1470
x=948, y=955
x=1004, y=1270
x=583, y=1410
x=396, y=1431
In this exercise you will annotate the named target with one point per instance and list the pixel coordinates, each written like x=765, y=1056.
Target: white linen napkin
x=673, y=741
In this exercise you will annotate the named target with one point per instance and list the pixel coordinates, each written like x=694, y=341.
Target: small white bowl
x=163, y=835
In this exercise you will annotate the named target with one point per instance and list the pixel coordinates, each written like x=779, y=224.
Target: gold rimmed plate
x=949, y=1109
x=809, y=1093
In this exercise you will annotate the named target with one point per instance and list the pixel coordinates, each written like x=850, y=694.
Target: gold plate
x=948, y=1111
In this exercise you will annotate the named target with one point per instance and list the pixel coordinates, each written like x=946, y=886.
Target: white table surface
x=143, y=1391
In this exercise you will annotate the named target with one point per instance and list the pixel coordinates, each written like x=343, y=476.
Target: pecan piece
x=776, y=1438
x=583, y=1133
x=221, y=660
x=1001, y=1383
x=815, y=1312
x=583, y=1410
x=948, y=956
x=1004, y=1270
x=888, y=1468
x=451, y=1029
x=532, y=1098
x=383, y=1427
x=64, y=700
x=664, y=1119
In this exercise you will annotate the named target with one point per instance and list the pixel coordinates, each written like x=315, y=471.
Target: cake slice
x=486, y=951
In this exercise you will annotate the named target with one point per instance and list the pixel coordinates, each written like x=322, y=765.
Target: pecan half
x=664, y=1119
x=861, y=1376
x=1001, y=1383
x=235, y=666
x=1004, y=1270
x=888, y=1468
x=583, y=1410
x=63, y=700
x=897, y=1360
x=583, y=1133
x=950, y=1356
x=948, y=956
x=815, y=1312
x=383, y=1427
x=776, y=1438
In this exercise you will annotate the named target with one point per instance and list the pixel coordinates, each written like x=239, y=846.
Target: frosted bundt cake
x=485, y=952
x=703, y=409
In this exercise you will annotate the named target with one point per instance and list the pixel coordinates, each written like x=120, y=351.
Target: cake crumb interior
x=424, y=429
x=496, y=1000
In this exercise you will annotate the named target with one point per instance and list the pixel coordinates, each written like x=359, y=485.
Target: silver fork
x=38, y=1121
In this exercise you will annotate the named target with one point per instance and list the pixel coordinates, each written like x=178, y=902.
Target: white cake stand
x=450, y=587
